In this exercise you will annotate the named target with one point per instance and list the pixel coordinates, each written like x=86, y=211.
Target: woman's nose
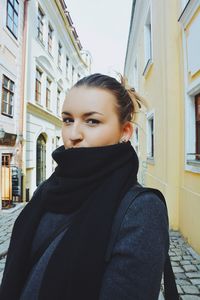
x=76, y=133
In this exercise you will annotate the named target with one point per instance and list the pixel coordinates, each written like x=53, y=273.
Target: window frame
x=58, y=103
x=151, y=136
x=148, y=42
x=9, y=95
x=67, y=66
x=193, y=141
x=59, y=55
x=73, y=73
x=135, y=74
x=14, y=12
x=50, y=39
x=48, y=93
x=40, y=21
x=38, y=83
x=136, y=139
x=197, y=125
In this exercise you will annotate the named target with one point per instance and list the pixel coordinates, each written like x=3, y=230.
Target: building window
x=150, y=136
x=40, y=24
x=59, y=54
x=38, y=86
x=58, y=102
x=73, y=73
x=40, y=160
x=67, y=66
x=197, y=127
x=135, y=75
x=7, y=96
x=12, y=16
x=147, y=43
x=57, y=141
x=193, y=131
x=50, y=38
x=136, y=140
x=48, y=93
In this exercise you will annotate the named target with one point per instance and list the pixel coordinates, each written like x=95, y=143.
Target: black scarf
x=93, y=181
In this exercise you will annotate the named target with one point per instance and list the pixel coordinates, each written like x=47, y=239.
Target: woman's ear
x=127, y=131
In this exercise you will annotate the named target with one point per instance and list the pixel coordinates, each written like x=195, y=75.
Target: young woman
x=60, y=240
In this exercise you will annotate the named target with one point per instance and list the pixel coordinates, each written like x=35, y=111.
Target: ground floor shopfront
x=10, y=172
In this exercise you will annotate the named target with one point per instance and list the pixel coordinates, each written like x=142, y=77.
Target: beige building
x=163, y=64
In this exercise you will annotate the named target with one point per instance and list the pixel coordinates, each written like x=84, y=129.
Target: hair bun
x=136, y=99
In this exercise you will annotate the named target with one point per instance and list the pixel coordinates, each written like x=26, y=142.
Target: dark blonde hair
x=128, y=101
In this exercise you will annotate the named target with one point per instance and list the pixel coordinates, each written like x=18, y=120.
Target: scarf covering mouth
x=91, y=181
x=81, y=171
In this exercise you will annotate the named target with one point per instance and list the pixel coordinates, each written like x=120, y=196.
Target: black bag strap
x=170, y=289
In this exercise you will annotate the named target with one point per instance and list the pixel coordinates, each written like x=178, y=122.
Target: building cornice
x=70, y=30
x=129, y=34
x=43, y=114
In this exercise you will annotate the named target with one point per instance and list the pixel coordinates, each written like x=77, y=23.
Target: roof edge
x=130, y=26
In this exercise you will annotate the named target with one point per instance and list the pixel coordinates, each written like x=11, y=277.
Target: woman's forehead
x=89, y=96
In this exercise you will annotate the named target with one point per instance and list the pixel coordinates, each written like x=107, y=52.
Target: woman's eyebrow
x=66, y=113
x=85, y=114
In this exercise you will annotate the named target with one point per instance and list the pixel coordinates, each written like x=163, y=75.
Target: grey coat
x=137, y=257
x=135, y=269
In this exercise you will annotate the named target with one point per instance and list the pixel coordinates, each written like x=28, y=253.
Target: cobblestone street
x=185, y=262
x=7, y=219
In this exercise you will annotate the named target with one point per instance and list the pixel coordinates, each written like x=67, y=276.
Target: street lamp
x=2, y=133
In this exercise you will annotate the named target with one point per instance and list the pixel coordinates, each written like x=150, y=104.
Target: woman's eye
x=68, y=120
x=92, y=121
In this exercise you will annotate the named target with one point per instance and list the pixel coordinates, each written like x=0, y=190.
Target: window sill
x=193, y=166
x=11, y=35
x=195, y=163
x=147, y=67
x=38, y=104
x=151, y=160
x=7, y=115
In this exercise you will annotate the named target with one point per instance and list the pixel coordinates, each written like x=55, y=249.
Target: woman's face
x=90, y=119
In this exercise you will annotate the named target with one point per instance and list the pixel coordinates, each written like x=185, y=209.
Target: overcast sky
x=102, y=26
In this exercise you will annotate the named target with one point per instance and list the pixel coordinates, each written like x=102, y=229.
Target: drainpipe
x=22, y=122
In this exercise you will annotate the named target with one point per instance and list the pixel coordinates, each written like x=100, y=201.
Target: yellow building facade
x=163, y=64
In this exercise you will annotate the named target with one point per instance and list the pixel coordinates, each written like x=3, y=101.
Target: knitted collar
x=81, y=170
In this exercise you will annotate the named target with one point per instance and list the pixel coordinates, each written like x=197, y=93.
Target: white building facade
x=54, y=62
x=11, y=43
